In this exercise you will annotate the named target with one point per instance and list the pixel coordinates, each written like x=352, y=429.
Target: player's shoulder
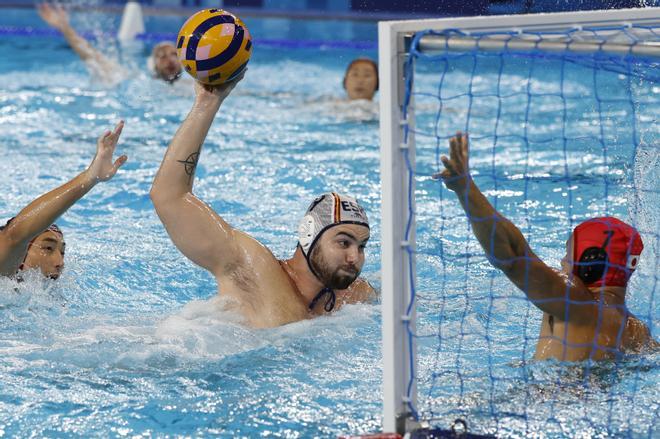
x=637, y=334
x=362, y=291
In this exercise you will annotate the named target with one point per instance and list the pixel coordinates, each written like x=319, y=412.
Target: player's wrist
x=66, y=29
x=90, y=177
x=207, y=102
x=464, y=185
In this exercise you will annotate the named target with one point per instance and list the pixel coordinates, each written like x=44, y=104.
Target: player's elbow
x=156, y=196
x=161, y=192
x=160, y=198
x=510, y=257
x=502, y=258
x=164, y=192
x=506, y=266
x=168, y=204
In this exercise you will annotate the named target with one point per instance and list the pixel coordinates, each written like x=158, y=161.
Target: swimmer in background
x=360, y=82
x=163, y=62
x=321, y=276
x=584, y=309
x=31, y=240
x=361, y=79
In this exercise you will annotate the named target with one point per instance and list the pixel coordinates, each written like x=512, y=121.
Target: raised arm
x=506, y=247
x=42, y=212
x=196, y=229
x=57, y=17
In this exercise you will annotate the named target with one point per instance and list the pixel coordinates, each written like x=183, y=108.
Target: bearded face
x=331, y=275
x=338, y=257
x=166, y=61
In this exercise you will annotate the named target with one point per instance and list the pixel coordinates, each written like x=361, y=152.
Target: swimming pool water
x=126, y=343
x=131, y=341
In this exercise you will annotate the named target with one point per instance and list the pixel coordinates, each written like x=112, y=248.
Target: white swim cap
x=326, y=211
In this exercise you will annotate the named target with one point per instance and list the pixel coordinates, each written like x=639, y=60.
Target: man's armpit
x=240, y=281
x=239, y=276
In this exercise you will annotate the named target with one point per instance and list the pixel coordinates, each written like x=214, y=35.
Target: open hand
x=456, y=174
x=102, y=168
x=54, y=15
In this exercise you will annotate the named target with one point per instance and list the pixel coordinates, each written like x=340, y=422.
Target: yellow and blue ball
x=214, y=46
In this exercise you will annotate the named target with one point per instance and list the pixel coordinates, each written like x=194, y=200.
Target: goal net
x=562, y=113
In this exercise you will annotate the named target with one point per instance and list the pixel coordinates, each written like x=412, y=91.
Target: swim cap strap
x=329, y=304
x=309, y=263
x=173, y=78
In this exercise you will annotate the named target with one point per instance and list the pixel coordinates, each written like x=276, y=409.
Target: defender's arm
x=42, y=212
x=506, y=247
x=195, y=228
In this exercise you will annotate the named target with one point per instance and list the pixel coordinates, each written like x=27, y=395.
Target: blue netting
x=555, y=138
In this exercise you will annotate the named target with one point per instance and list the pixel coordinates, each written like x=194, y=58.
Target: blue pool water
x=131, y=341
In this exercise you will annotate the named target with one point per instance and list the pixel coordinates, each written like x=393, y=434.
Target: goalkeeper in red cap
x=584, y=305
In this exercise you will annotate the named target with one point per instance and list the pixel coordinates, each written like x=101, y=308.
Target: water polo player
x=31, y=240
x=584, y=309
x=162, y=64
x=322, y=274
x=361, y=79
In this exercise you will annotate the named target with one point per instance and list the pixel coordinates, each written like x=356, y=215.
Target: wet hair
x=362, y=59
x=161, y=45
x=54, y=228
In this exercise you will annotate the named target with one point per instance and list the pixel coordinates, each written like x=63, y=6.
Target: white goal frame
x=399, y=355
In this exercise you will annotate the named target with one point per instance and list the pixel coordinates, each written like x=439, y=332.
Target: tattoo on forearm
x=190, y=163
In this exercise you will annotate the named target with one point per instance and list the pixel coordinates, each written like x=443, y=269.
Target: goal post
x=397, y=222
x=629, y=32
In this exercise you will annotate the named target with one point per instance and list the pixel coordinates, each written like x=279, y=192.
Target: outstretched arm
x=56, y=17
x=42, y=212
x=506, y=247
x=196, y=229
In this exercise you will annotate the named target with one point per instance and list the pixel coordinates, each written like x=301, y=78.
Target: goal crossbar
x=525, y=42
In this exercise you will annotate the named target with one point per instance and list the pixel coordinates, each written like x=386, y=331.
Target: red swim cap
x=605, y=252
